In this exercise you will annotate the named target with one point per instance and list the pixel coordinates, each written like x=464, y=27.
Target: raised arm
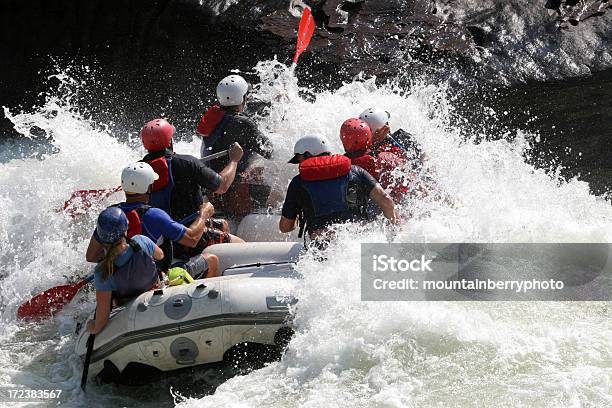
x=229, y=172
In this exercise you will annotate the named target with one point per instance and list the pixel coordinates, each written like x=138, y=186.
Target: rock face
x=157, y=47
x=572, y=12
x=375, y=36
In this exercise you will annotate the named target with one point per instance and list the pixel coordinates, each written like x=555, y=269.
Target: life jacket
x=134, y=217
x=212, y=127
x=397, y=185
x=326, y=180
x=161, y=191
x=365, y=161
x=136, y=227
x=138, y=274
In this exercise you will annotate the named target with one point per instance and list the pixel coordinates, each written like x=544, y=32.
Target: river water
x=345, y=352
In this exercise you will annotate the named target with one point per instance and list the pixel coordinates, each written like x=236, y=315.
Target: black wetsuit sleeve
x=364, y=179
x=204, y=176
x=292, y=207
x=255, y=140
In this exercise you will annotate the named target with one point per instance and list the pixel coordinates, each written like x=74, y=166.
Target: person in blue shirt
x=127, y=268
x=156, y=224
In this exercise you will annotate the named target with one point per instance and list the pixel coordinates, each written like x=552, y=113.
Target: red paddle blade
x=49, y=302
x=305, y=32
x=80, y=200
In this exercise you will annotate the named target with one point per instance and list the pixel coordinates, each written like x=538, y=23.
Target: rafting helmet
x=137, y=177
x=231, y=90
x=112, y=224
x=314, y=145
x=157, y=135
x=375, y=118
x=355, y=135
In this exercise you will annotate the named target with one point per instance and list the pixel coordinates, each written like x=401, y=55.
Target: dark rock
x=573, y=12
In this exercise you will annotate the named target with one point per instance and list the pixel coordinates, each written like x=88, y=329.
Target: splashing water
x=346, y=352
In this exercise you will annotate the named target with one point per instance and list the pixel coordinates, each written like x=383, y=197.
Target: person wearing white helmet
x=400, y=142
x=328, y=190
x=224, y=124
x=154, y=223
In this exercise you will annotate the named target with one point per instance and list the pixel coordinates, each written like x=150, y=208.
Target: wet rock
x=572, y=12
x=375, y=36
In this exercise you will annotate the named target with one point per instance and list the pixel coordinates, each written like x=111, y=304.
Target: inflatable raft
x=203, y=322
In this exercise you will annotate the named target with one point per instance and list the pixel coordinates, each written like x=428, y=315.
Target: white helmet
x=375, y=118
x=137, y=177
x=231, y=90
x=313, y=144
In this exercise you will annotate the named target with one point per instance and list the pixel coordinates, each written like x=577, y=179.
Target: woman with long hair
x=127, y=268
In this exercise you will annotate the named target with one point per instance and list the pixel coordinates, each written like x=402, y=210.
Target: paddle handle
x=214, y=156
x=90, y=344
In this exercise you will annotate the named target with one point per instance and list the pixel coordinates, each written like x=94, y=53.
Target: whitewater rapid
x=346, y=352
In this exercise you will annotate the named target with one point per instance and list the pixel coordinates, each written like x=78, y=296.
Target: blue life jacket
x=138, y=274
x=326, y=180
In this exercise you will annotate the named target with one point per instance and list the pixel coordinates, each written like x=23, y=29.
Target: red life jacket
x=386, y=162
x=325, y=167
x=213, y=116
x=390, y=148
x=160, y=166
x=134, y=218
x=366, y=162
x=161, y=191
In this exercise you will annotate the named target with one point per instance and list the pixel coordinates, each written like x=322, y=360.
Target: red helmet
x=156, y=135
x=355, y=135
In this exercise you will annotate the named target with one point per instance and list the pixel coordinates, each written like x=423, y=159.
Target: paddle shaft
x=90, y=344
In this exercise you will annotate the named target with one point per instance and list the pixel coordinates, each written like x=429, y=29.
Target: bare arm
x=229, y=172
x=384, y=201
x=95, y=251
x=158, y=254
x=103, y=308
x=286, y=224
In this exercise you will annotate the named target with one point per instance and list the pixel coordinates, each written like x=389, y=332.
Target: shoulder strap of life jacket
x=217, y=132
x=161, y=192
x=210, y=120
x=135, y=220
x=134, y=217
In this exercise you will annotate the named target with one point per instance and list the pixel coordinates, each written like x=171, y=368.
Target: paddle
x=305, y=32
x=90, y=344
x=50, y=301
x=84, y=197
x=53, y=300
x=80, y=200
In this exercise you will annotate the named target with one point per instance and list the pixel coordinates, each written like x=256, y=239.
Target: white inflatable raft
x=201, y=322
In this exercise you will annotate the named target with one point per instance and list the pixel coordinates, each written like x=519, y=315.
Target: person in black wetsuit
x=224, y=124
x=178, y=190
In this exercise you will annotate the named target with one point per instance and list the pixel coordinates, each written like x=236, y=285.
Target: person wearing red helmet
x=356, y=138
x=178, y=189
